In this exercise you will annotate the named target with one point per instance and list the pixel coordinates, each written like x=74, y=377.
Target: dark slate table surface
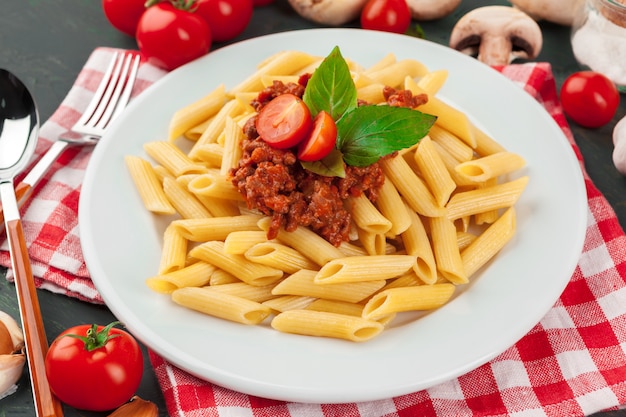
x=46, y=43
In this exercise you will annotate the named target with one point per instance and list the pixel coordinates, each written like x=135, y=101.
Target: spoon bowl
x=19, y=129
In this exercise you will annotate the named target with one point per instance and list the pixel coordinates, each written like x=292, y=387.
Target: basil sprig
x=364, y=133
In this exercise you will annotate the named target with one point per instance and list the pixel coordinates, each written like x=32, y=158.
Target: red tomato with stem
x=321, y=141
x=284, y=121
x=589, y=98
x=226, y=18
x=94, y=368
x=386, y=15
x=124, y=14
x=170, y=37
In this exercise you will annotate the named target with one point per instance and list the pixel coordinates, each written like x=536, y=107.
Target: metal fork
x=109, y=100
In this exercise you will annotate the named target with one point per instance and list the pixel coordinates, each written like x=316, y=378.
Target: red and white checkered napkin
x=572, y=363
x=50, y=216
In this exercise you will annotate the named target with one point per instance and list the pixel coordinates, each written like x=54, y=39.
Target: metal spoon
x=19, y=128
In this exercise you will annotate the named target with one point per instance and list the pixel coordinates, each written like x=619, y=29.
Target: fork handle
x=22, y=189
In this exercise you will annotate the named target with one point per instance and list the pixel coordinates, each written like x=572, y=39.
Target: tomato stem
x=187, y=5
x=96, y=339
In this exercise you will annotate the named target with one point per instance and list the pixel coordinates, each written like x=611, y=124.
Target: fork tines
x=112, y=94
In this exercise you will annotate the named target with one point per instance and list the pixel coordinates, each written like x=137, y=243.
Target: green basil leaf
x=331, y=87
x=330, y=166
x=367, y=133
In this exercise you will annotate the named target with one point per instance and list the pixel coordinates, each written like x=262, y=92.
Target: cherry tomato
x=386, y=15
x=322, y=139
x=124, y=14
x=170, y=37
x=94, y=368
x=284, y=121
x=258, y=3
x=589, y=98
x=226, y=18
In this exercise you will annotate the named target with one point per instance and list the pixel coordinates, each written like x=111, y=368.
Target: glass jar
x=599, y=38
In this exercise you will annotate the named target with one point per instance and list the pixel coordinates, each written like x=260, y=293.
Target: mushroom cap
x=497, y=35
x=561, y=12
x=431, y=9
x=328, y=12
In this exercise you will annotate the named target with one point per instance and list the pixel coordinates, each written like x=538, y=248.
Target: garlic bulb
x=12, y=357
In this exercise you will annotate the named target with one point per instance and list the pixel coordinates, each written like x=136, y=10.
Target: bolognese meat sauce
x=273, y=182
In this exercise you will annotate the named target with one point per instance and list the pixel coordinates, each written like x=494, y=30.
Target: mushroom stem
x=497, y=35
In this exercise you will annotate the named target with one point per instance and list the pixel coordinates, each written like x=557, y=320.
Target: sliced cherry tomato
x=170, y=37
x=94, y=368
x=386, y=15
x=124, y=14
x=589, y=98
x=284, y=121
x=226, y=18
x=321, y=141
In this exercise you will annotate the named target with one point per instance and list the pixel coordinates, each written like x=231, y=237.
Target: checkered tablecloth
x=572, y=363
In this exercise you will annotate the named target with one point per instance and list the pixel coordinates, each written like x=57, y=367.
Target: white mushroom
x=561, y=12
x=619, y=142
x=497, y=35
x=328, y=12
x=431, y=9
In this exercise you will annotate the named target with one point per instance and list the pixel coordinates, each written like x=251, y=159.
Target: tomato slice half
x=322, y=139
x=284, y=121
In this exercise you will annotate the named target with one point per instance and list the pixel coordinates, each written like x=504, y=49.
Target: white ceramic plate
x=121, y=242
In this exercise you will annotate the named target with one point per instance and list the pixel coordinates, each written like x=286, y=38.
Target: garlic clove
x=136, y=407
x=12, y=357
x=17, y=337
x=11, y=367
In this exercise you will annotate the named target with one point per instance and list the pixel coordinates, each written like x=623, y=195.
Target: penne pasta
x=324, y=324
x=237, y=265
x=364, y=268
x=303, y=283
x=447, y=254
x=490, y=166
x=195, y=275
x=214, y=228
x=149, y=186
x=197, y=112
x=173, y=251
x=279, y=256
x=222, y=305
x=499, y=196
x=415, y=298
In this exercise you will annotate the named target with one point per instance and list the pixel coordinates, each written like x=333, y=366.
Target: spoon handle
x=46, y=404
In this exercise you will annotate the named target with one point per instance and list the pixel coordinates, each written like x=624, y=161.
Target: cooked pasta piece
x=364, y=268
x=222, y=305
x=195, y=275
x=149, y=186
x=302, y=283
x=415, y=298
x=197, y=112
x=324, y=324
x=249, y=272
